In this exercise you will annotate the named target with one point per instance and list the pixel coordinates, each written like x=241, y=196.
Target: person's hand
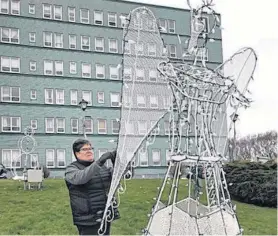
x=106, y=156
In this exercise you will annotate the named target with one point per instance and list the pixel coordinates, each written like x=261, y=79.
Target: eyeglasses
x=86, y=149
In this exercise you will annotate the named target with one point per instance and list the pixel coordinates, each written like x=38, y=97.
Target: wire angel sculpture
x=199, y=98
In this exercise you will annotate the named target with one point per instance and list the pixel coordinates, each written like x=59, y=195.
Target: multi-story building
x=53, y=54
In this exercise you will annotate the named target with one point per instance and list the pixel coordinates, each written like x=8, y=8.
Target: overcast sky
x=250, y=23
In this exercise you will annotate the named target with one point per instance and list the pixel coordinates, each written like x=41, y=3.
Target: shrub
x=253, y=182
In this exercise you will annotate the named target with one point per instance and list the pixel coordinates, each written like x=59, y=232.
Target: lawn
x=48, y=211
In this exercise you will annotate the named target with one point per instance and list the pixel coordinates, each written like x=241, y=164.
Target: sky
x=249, y=23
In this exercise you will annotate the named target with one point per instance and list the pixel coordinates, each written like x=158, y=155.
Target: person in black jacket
x=88, y=182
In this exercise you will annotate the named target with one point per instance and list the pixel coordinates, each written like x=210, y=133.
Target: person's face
x=85, y=153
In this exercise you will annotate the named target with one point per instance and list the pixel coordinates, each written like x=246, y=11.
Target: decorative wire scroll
x=143, y=92
x=198, y=99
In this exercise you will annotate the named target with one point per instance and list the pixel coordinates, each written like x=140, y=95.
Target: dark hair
x=78, y=144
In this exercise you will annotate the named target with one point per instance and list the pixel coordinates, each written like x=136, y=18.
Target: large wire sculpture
x=199, y=98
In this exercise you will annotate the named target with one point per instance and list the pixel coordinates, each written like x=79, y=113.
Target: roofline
x=152, y=5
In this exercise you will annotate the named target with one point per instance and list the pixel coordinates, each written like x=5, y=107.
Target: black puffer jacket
x=88, y=200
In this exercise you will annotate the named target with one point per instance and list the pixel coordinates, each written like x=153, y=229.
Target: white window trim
x=111, y=67
x=73, y=14
x=82, y=19
x=45, y=100
x=11, y=160
x=101, y=101
x=99, y=50
x=53, y=158
x=8, y=9
x=92, y=125
x=10, y=59
x=156, y=150
x=43, y=7
x=71, y=126
x=54, y=11
x=53, y=121
x=64, y=125
x=32, y=6
x=49, y=46
x=34, y=156
x=18, y=2
x=86, y=49
x=73, y=72
x=64, y=157
x=10, y=38
x=71, y=100
x=32, y=64
x=112, y=128
x=98, y=128
x=111, y=94
x=74, y=45
x=62, y=63
x=10, y=92
x=172, y=30
x=31, y=94
x=90, y=102
x=97, y=74
x=32, y=35
x=113, y=22
x=114, y=50
x=35, y=122
x=101, y=12
x=62, y=102
x=10, y=117
x=139, y=156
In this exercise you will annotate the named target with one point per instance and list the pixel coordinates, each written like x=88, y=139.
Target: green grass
x=48, y=211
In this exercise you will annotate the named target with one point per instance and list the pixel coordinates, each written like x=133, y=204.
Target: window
x=49, y=98
x=142, y=127
x=32, y=9
x=74, y=126
x=168, y=155
x=34, y=124
x=87, y=96
x=172, y=51
x=102, y=126
x=73, y=67
x=143, y=157
x=127, y=47
x=153, y=75
x=60, y=96
x=124, y=22
x=172, y=26
x=129, y=127
x=86, y=70
x=48, y=67
x=49, y=125
x=10, y=35
x=10, y=94
x=113, y=45
x=100, y=97
x=72, y=41
x=115, y=99
x=11, y=124
x=163, y=25
x=167, y=102
x=167, y=127
x=141, y=101
x=73, y=97
x=153, y=101
x=59, y=68
x=47, y=39
x=4, y=6
x=84, y=16
x=202, y=53
x=60, y=125
x=100, y=71
x=32, y=37
x=10, y=64
x=11, y=158
x=115, y=126
x=47, y=11
x=33, y=94
x=58, y=12
x=127, y=73
x=34, y=160
x=139, y=48
x=127, y=100
x=71, y=14
x=152, y=49
x=49, y=153
x=99, y=44
x=32, y=66
x=61, y=158
x=58, y=40
x=151, y=24
x=88, y=122
x=15, y=7
x=98, y=17
x=156, y=157
x=138, y=21
x=85, y=43
x=112, y=19
x=114, y=72
x=156, y=129
x=140, y=74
